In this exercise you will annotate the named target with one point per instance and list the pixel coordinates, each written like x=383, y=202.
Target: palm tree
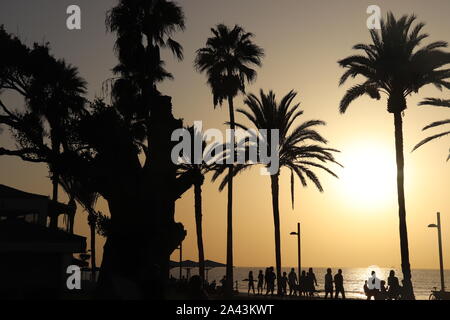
x=55, y=95
x=437, y=103
x=143, y=27
x=87, y=199
x=300, y=149
x=201, y=169
x=141, y=23
x=395, y=65
x=227, y=59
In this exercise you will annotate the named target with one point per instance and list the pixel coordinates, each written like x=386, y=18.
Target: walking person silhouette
x=339, y=284
x=328, y=284
x=251, y=284
x=292, y=281
x=260, y=282
x=311, y=282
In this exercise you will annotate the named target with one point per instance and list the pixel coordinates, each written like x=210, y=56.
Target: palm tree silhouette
x=227, y=59
x=300, y=149
x=143, y=28
x=56, y=93
x=151, y=22
x=201, y=169
x=395, y=65
x=87, y=199
x=437, y=103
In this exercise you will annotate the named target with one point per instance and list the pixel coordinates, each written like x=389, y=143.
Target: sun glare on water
x=369, y=176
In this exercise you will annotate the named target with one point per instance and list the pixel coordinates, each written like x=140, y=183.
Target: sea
x=424, y=280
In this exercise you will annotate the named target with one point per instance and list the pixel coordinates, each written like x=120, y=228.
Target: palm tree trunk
x=91, y=219
x=71, y=217
x=406, y=268
x=229, y=283
x=198, y=222
x=276, y=222
x=53, y=215
x=55, y=179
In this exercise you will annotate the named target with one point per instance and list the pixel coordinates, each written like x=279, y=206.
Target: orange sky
x=354, y=222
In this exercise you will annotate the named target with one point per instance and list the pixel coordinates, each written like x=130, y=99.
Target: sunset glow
x=368, y=176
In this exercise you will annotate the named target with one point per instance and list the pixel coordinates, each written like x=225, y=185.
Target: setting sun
x=368, y=177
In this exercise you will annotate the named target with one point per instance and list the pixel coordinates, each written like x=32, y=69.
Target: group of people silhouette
x=303, y=286
x=338, y=281
x=376, y=288
x=291, y=285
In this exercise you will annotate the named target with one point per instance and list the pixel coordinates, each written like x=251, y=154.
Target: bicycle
x=439, y=295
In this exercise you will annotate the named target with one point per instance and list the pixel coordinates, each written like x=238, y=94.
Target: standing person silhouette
x=271, y=282
x=339, y=284
x=292, y=281
x=382, y=295
x=283, y=284
x=394, y=286
x=266, y=280
x=328, y=284
x=303, y=284
x=366, y=290
x=260, y=282
x=251, y=284
x=312, y=282
x=373, y=285
x=223, y=284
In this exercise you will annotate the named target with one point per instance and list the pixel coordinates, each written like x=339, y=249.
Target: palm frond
x=435, y=102
x=426, y=140
x=436, y=124
x=357, y=91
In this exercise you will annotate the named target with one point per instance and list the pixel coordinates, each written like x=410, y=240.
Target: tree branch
x=5, y=109
x=22, y=153
x=13, y=85
x=7, y=120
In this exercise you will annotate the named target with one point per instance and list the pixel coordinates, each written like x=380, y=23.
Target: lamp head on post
x=441, y=262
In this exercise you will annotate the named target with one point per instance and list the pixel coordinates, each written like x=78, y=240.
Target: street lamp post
x=441, y=260
x=299, y=249
x=181, y=260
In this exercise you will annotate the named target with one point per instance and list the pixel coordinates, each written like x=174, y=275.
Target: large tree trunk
x=198, y=224
x=276, y=222
x=141, y=202
x=229, y=283
x=406, y=268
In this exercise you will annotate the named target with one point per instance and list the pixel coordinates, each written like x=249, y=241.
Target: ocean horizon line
x=319, y=267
